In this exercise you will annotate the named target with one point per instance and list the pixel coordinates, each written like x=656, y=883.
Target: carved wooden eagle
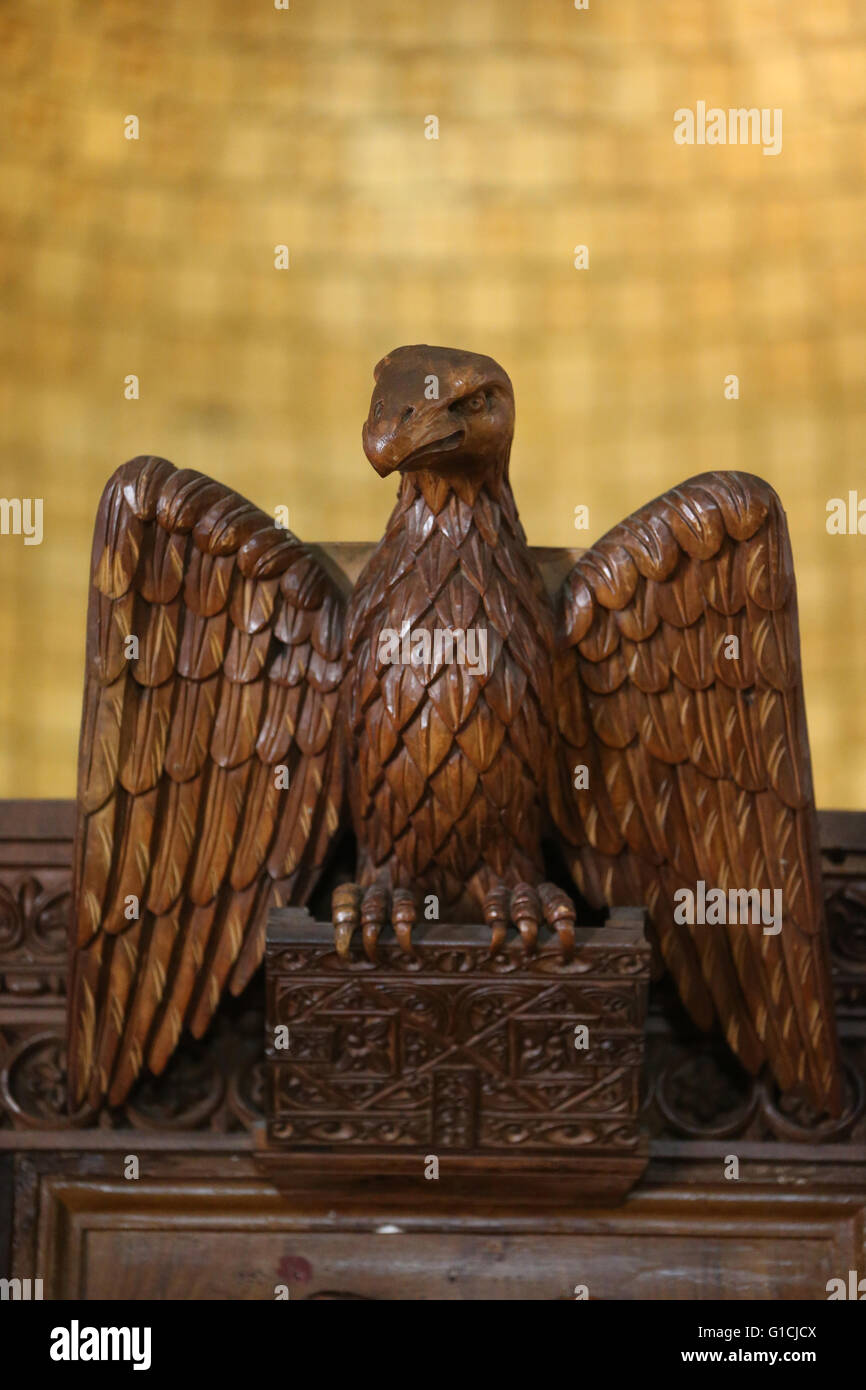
x=241, y=708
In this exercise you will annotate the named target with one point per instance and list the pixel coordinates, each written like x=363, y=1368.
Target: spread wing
x=209, y=778
x=679, y=689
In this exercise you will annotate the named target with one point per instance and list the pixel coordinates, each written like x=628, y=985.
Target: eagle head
x=439, y=410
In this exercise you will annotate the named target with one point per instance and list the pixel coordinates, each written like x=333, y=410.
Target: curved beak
x=408, y=444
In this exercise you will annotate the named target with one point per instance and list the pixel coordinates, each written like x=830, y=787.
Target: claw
x=525, y=906
x=374, y=911
x=496, y=916
x=369, y=937
x=403, y=917
x=370, y=908
x=344, y=910
x=559, y=914
x=525, y=909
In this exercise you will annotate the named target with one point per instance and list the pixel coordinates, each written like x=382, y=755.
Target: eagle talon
x=370, y=909
x=525, y=908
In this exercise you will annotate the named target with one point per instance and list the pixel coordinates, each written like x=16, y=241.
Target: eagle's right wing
x=210, y=777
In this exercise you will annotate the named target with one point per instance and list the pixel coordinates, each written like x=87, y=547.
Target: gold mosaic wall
x=306, y=127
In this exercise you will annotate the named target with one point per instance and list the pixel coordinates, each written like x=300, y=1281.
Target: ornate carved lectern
x=518, y=1075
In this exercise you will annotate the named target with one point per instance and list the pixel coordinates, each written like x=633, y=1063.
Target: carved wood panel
x=97, y=1236
x=455, y=1051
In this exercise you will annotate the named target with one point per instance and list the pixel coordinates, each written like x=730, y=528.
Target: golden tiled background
x=306, y=127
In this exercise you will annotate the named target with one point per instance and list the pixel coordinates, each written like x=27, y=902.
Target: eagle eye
x=471, y=405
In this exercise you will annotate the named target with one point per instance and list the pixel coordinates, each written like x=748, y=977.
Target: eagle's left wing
x=679, y=690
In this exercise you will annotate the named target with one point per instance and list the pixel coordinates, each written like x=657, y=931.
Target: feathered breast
x=449, y=693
